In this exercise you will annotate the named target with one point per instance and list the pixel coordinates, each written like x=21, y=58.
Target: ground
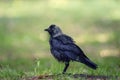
x=108, y=67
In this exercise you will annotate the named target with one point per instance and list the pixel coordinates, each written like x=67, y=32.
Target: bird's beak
x=46, y=29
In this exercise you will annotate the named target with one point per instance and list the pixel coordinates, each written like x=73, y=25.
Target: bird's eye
x=53, y=29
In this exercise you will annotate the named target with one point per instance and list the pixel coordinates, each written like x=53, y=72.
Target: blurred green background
x=93, y=24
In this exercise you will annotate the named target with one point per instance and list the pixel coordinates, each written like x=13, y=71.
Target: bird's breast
x=54, y=43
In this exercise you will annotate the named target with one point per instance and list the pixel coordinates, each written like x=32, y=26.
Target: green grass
x=22, y=68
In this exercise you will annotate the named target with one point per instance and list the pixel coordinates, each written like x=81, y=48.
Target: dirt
x=84, y=76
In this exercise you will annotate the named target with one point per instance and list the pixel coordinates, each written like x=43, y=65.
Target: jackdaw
x=64, y=49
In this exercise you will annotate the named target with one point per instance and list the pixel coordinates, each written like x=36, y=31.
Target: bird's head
x=54, y=30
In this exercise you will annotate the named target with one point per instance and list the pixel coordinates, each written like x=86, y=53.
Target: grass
x=22, y=68
x=94, y=25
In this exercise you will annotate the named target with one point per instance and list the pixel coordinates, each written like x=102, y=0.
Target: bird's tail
x=90, y=64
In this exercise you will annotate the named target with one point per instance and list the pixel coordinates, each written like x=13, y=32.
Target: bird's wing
x=70, y=49
x=65, y=39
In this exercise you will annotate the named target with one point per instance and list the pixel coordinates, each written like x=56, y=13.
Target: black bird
x=65, y=50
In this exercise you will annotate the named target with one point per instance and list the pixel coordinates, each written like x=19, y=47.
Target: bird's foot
x=63, y=72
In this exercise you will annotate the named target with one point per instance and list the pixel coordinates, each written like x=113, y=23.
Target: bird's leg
x=66, y=66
